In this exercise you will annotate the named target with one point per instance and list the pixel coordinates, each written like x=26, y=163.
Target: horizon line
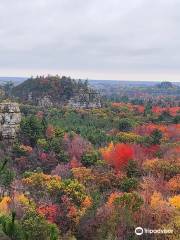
x=89, y=79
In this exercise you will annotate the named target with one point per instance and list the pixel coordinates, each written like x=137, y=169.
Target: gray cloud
x=94, y=38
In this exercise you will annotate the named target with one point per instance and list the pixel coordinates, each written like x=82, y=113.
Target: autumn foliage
x=117, y=155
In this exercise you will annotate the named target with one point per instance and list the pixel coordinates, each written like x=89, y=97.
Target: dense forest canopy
x=90, y=173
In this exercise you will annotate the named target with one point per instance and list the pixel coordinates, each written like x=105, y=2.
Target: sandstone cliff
x=10, y=118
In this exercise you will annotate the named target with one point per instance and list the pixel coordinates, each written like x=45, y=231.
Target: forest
x=91, y=173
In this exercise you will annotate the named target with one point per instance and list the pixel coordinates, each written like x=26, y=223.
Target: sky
x=94, y=39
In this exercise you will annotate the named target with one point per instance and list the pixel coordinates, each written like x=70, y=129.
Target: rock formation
x=86, y=99
x=10, y=118
x=55, y=91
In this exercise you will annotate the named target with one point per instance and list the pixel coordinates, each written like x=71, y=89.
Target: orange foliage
x=131, y=107
x=113, y=197
x=83, y=174
x=174, y=184
x=73, y=212
x=175, y=201
x=50, y=131
x=87, y=202
x=171, y=131
x=171, y=110
x=4, y=205
x=74, y=163
x=48, y=211
x=26, y=148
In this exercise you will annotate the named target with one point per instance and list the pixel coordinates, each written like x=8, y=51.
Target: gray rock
x=10, y=118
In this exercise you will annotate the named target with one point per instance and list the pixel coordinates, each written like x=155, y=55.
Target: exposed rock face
x=88, y=99
x=55, y=91
x=10, y=118
x=45, y=102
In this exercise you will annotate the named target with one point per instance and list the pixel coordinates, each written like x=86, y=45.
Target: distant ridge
x=98, y=83
x=93, y=82
x=15, y=80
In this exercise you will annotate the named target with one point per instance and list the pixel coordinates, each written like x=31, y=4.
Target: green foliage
x=156, y=136
x=128, y=184
x=54, y=232
x=37, y=228
x=90, y=158
x=132, y=169
x=75, y=190
x=129, y=137
x=59, y=88
x=125, y=125
x=165, y=117
x=132, y=201
x=42, y=142
x=6, y=174
x=32, y=128
x=148, y=109
x=176, y=119
x=55, y=145
x=29, y=109
x=17, y=150
x=11, y=227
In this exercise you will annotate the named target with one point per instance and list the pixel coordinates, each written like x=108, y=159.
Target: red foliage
x=151, y=150
x=48, y=211
x=171, y=110
x=171, y=131
x=131, y=107
x=142, y=153
x=43, y=156
x=118, y=155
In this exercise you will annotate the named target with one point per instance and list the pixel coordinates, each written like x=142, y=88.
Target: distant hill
x=54, y=90
x=165, y=85
x=15, y=80
x=124, y=83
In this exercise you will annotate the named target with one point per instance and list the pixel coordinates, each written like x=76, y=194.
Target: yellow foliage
x=41, y=180
x=21, y=198
x=150, y=165
x=157, y=200
x=4, y=205
x=175, y=201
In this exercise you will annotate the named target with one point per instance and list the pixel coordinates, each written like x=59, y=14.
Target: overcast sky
x=95, y=39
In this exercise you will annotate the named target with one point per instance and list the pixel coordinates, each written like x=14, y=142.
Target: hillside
x=54, y=90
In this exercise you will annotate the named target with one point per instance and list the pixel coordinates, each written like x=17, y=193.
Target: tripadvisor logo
x=139, y=231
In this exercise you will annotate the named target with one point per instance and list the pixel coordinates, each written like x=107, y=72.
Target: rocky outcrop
x=10, y=118
x=88, y=99
x=55, y=91
x=45, y=102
